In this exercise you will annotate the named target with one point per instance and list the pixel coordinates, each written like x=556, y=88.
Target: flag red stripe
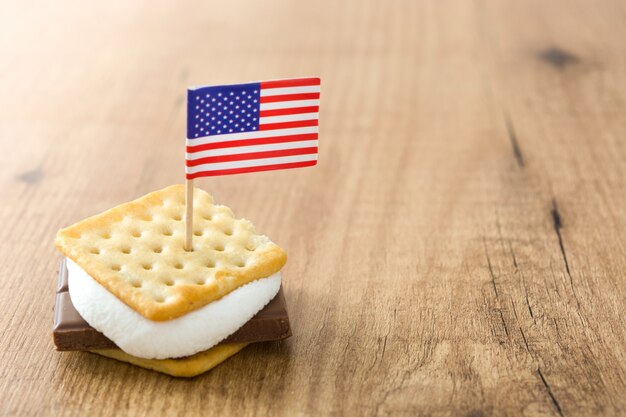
x=290, y=97
x=289, y=125
x=300, y=82
x=250, y=142
x=284, y=112
x=251, y=155
x=251, y=169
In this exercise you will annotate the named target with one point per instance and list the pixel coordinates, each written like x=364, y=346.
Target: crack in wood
x=385, y=338
x=556, y=327
x=31, y=177
x=520, y=327
x=513, y=255
x=384, y=348
x=550, y=393
x=558, y=225
x=530, y=310
x=514, y=309
x=558, y=57
x=395, y=389
x=495, y=289
x=506, y=330
x=427, y=353
x=525, y=341
x=499, y=228
x=517, y=151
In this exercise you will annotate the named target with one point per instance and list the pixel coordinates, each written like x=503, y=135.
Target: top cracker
x=135, y=250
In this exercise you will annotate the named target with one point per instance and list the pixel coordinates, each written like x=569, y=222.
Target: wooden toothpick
x=188, y=214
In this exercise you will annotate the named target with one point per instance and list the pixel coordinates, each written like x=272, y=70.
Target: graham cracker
x=136, y=251
x=189, y=366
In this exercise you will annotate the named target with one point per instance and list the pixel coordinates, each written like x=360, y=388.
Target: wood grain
x=459, y=249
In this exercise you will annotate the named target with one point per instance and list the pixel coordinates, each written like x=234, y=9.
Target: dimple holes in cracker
x=145, y=252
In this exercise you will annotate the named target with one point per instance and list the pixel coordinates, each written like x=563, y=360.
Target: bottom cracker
x=189, y=366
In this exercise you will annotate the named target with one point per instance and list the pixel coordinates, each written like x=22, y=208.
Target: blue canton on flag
x=223, y=109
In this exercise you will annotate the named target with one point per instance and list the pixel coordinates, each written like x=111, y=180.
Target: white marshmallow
x=194, y=332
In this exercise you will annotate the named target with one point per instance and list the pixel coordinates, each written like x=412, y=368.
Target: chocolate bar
x=71, y=332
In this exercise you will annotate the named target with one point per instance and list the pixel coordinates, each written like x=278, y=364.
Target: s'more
x=130, y=291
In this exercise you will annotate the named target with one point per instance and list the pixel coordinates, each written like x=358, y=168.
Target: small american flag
x=233, y=129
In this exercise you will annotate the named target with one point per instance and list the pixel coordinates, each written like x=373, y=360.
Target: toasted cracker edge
x=187, y=367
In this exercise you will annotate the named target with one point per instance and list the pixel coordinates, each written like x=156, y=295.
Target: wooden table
x=459, y=250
